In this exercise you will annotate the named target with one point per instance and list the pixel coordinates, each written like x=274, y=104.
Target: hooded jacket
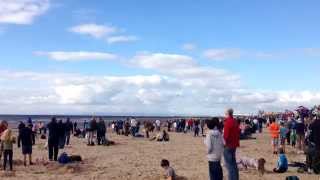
x=214, y=142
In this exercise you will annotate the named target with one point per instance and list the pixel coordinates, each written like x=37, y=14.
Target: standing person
x=75, y=126
x=300, y=129
x=202, y=123
x=53, y=139
x=274, y=132
x=62, y=134
x=69, y=130
x=260, y=124
x=133, y=123
x=214, y=143
x=169, y=125
x=30, y=125
x=232, y=141
x=92, y=131
x=196, y=128
x=3, y=127
x=158, y=125
x=126, y=128
x=283, y=136
x=7, y=141
x=313, y=153
x=101, y=132
x=25, y=139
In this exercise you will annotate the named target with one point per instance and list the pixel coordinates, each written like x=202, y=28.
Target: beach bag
x=75, y=158
x=292, y=178
x=63, y=158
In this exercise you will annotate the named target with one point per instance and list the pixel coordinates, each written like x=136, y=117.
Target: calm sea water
x=14, y=119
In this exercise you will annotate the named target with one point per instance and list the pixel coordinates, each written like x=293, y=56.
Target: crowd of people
x=222, y=138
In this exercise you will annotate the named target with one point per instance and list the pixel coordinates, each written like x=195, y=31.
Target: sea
x=13, y=120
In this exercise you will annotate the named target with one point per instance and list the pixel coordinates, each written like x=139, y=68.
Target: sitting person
x=258, y=164
x=77, y=132
x=169, y=171
x=162, y=136
x=282, y=162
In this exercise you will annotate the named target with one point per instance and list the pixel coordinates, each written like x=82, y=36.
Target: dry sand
x=138, y=159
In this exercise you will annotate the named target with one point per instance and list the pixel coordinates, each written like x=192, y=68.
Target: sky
x=142, y=57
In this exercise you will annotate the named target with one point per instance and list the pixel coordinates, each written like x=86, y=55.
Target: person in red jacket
x=231, y=135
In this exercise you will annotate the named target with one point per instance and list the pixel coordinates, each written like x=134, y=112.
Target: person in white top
x=215, y=145
x=133, y=123
x=158, y=124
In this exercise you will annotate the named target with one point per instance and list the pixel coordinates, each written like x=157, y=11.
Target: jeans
x=91, y=137
x=231, y=163
x=6, y=154
x=53, y=149
x=215, y=170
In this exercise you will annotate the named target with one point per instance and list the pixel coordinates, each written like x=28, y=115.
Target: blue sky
x=271, y=45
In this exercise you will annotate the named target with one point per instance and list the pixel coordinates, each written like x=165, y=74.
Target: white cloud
x=121, y=39
x=161, y=61
x=31, y=92
x=221, y=54
x=22, y=11
x=94, y=30
x=110, y=34
x=76, y=56
x=189, y=46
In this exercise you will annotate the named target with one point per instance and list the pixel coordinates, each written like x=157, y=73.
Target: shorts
x=275, y=141
x=26, y=150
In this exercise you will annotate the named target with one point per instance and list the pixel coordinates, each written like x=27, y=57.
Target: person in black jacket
x=69, y=130
x=101, y=132
x=62, y=134
x=25, y=139
x=53, y=139
x=92, y=131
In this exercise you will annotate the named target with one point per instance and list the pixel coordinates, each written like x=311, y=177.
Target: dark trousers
x=288, y=138
x=196, y=131
x=101, y=138
x=7, y=154
x=68, y=138
x=53, y=149
x=279, y=170
x=215, y=170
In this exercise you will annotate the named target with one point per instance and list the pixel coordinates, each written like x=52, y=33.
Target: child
x=215, y=145
x=258, y=164
x=169, y=171
x=293, y=137
x=282, y=162
x=283, y=136
x=274, y=131
x=7, y=141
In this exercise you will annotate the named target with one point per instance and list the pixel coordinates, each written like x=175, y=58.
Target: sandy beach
x=139, y=158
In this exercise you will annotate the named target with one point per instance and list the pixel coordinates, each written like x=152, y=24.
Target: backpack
x=63, y=158
x=292, y=178
x=75, y=158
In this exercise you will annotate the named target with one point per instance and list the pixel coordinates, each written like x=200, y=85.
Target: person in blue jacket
x=282, y=162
